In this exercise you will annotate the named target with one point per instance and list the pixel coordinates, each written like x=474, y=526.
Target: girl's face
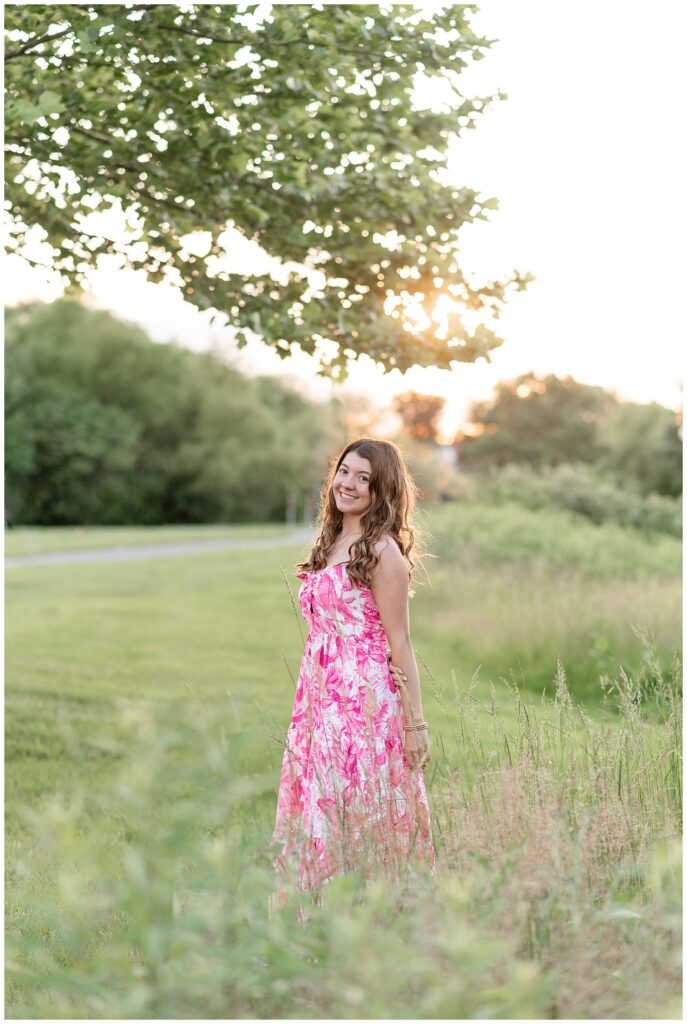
x=351, y=484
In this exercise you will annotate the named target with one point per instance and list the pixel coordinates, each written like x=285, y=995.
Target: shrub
x=584, y=490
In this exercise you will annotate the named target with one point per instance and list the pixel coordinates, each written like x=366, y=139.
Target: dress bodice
x=333, y=604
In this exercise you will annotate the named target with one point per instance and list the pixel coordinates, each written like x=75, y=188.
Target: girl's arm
x=389, y=586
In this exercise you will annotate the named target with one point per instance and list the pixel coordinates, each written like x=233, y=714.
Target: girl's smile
x=351, y=486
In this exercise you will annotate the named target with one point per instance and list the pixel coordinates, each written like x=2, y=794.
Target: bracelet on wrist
x=416, y=728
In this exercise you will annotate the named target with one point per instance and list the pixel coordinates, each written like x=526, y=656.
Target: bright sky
x=583, y=157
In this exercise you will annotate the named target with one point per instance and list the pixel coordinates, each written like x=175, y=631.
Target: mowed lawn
x=84, y=640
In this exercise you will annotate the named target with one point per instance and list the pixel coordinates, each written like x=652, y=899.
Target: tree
x=642, y=443
x=83, y=457
x=549, y=421
x=420, y=414
x=298, y=132
x=540, y=421
x=104, y=426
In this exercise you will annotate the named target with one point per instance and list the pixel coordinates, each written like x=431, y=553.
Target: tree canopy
x=420, y=414
x=104, y=426
x=298, y=131
x=643, y=443
x=542, y=421
x=547, y=421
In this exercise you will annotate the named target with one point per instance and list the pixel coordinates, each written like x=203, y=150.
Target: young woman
x=352, y=793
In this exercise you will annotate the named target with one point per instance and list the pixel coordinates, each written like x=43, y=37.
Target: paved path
x=177, y=549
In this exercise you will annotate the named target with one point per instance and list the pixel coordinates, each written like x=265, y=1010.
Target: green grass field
x=146, y=704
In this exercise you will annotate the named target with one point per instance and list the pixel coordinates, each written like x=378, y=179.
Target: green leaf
x=50, y=102
x=87, y=39
x=203, y=136
x=23, y=111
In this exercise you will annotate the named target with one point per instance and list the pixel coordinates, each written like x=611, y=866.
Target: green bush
x=585, y=490
x=477, y=531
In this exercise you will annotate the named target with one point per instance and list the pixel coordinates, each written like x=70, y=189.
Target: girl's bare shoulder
x=388, y=551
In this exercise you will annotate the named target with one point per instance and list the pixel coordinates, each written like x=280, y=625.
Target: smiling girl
x=352, y=794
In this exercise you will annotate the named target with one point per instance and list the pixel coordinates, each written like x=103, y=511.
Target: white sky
x=584, y=158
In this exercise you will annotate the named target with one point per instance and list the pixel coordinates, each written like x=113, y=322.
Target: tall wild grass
x=556, y=894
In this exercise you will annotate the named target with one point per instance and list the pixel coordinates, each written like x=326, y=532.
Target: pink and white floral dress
x=347, y=798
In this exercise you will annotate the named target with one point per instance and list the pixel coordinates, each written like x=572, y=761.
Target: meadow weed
x=556, y=892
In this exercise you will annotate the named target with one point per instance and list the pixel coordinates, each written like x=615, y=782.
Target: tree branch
x=13, y=54
x=206, y=35
x=266, y=43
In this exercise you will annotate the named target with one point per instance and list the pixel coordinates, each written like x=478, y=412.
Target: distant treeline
x=547, y=421
x=104, y=426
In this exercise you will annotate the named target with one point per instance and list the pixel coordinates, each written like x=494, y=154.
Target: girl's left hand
x=397, y=674
x=415, y=744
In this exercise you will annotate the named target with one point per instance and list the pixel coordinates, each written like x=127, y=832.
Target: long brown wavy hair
x=393, y=494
